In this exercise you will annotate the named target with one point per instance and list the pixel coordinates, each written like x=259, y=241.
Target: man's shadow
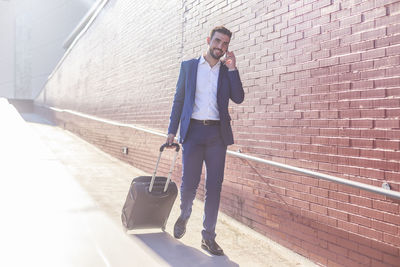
x=178, y=254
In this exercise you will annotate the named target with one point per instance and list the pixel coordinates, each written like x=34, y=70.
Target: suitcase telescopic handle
x=177, y=147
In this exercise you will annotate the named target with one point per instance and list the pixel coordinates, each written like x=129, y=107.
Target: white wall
x=33, y=41
x=7, y=49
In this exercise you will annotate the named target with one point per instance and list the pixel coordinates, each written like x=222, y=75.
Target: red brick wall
x=322, y=83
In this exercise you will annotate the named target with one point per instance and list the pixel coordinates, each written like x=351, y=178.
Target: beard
x=214, y=55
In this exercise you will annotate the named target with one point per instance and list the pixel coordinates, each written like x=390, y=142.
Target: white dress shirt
x=205, y=103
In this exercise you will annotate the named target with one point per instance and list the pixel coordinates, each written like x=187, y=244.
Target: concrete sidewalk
x=61, y=200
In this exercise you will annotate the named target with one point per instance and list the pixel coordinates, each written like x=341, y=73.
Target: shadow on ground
x=177, y=254
x=34, y=118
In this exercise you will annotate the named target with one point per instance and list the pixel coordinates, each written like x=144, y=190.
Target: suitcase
x=150, y=199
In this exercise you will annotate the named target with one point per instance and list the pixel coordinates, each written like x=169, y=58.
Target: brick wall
x=322, y=83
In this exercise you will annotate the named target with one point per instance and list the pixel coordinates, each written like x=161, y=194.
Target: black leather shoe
x=180, y=228
x=212, y=247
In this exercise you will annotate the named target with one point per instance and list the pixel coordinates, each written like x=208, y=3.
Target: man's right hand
x=170, y=140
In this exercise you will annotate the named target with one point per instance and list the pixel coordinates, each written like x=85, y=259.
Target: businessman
x=200, y=106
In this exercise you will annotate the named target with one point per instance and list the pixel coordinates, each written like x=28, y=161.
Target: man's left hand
x=230, y=61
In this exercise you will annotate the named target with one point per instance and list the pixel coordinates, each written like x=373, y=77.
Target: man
x=200, y=106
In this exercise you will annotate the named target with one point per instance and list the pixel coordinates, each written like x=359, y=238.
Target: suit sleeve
x=178, y=102
x=236, y=93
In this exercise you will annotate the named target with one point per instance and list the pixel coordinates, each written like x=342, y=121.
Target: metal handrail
x=370, y=188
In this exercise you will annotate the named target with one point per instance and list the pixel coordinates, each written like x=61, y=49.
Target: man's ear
x=208, y=40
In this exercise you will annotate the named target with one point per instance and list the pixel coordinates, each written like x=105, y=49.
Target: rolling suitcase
x=150, y=199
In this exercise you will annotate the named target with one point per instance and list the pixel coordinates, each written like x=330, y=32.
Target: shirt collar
x=203, y=60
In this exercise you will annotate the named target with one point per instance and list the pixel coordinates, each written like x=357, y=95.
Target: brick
x=347, y=207
x=362, y=7
x=384, y=247
x=342, y=216
x=371, y=213
x=385, y=227
x=328, y=62
x=371, y=233
x=373, y=253
x=368, y=143
x=395, y=71
x=387, y=41
x=318, y=209
x=387, y=102
x=319, y=192
x=390, y=176
x=393, y=29
x=389, y=259
x=340, y=86
x=375, y=13
x=362, y=27
x=394, y=7
x=349, y=151
x=350, y=245
x=366, y=123
x=393, y=134
x=391, y=218
x=362, y=46
x=385, y=144
x=373, y=133
x=386, y=206
x=340, y=69
x=392, y=239
x=351, y=20
x=387, y=124
x=359, y=239
x=373, y=174
x=339, y=196
x=349, y=95
x=346, y=169
x=322, y=4
x=376, y=263
x=350, y=58
x=344, y=261
x=331, y=9
x=360, y=258
x=337, y=249
x=373, y=74
x=374, y=113
x=342, y=13
x=393, y=50
x=374, y=34
x=363, y=65
x=360, y=220
x=387, y=61
x=366, y=202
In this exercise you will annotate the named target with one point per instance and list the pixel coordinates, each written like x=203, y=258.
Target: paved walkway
x=61, y=198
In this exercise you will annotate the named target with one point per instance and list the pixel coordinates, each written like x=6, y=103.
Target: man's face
x=218, y=44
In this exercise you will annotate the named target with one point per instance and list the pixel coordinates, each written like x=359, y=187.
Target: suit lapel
x=222, y=72
x=193, y=78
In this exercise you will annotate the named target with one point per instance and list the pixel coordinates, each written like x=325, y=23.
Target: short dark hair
x=222, y=30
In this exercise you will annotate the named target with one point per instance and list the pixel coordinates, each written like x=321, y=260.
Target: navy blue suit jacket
x=229, y=87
